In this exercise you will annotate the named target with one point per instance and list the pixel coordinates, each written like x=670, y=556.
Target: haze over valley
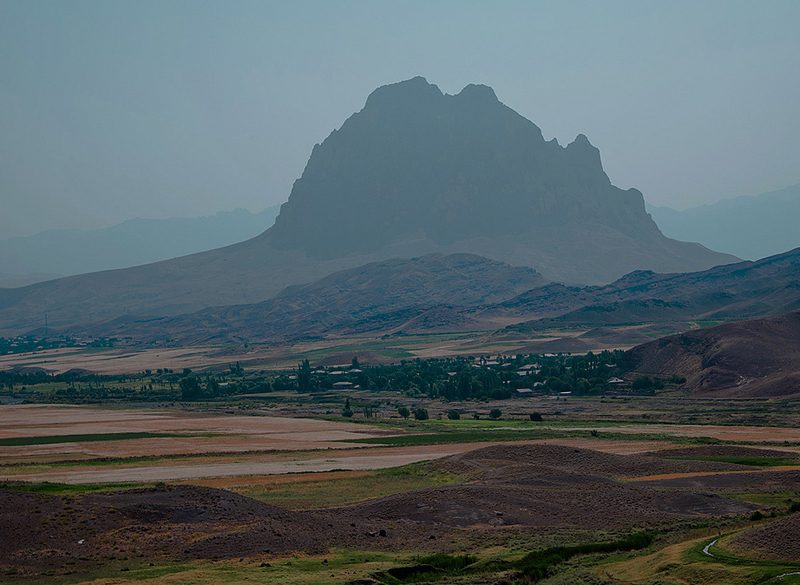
x=378, y=293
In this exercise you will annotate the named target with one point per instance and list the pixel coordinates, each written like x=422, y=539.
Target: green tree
x=421, y=414
x=495, y=413
x=304, y=377
x=212, y=388
x=347, y=411
x=536, y=417
x=453, y=414
x=190, y=388
x=404, y=412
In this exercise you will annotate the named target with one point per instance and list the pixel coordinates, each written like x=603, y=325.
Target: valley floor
x=220, y=494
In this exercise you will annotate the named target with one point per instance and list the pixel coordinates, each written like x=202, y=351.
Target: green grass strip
x=52, y=439
x=536, y=565
x=457, y=437
x=46, y=487
x=751, y=461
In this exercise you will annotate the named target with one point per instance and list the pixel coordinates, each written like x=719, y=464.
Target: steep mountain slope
x=418, y=170
x=414, y=172
x=749, y=227
x=747, y=359
x=137, y=241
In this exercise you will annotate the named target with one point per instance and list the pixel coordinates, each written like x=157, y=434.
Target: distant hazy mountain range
x=415, y=172
x=750, y=227
x=55, y=253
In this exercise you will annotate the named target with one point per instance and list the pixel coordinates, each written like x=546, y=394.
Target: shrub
x=453, y=415
x=421, y=414
x=536, y=417
x=642, y=383
x=447, y=562
x=757, y=515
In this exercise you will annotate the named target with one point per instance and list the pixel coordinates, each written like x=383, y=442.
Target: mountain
x=770, y=286
x=9, y=280
x=460, y=292
x=340, y=300
x=750, y=227
x=65, y=252
x=415, y=172
x=758, y=358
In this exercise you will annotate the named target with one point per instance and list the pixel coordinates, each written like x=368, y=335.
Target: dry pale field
x=195, y=432
x=119, y=361
x=219, y=446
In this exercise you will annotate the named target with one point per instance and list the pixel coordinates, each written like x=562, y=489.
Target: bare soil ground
x=520, y=488
x=116, y=361
x=729, y=451
x=735, y=433
x=196, y=432
x=778, y=540
x=180, y=472
x=781, y=479
x=249, y=464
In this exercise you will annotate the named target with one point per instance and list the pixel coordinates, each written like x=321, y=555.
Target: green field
x=88, y=438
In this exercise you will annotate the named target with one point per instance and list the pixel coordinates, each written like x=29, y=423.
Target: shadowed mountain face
x=415, y=172
x=747, y=359
x=418, y=170
x=449, y=167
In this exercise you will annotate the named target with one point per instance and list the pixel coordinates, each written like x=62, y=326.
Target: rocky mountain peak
x=446, y=168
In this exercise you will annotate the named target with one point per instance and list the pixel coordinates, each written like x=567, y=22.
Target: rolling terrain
x=759, y=358
x=511, y=490
x=460, y=292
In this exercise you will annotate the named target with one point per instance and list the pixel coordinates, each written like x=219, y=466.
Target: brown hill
x=779, y=540
x=416, y=171
x=770, y=286
x=345, y=298
x=747, y=359
x=521, y=489
x=463, y=292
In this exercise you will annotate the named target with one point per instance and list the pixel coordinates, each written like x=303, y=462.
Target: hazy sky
x=117, y=109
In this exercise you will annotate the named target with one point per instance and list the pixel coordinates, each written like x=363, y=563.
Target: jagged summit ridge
x=450, y=167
